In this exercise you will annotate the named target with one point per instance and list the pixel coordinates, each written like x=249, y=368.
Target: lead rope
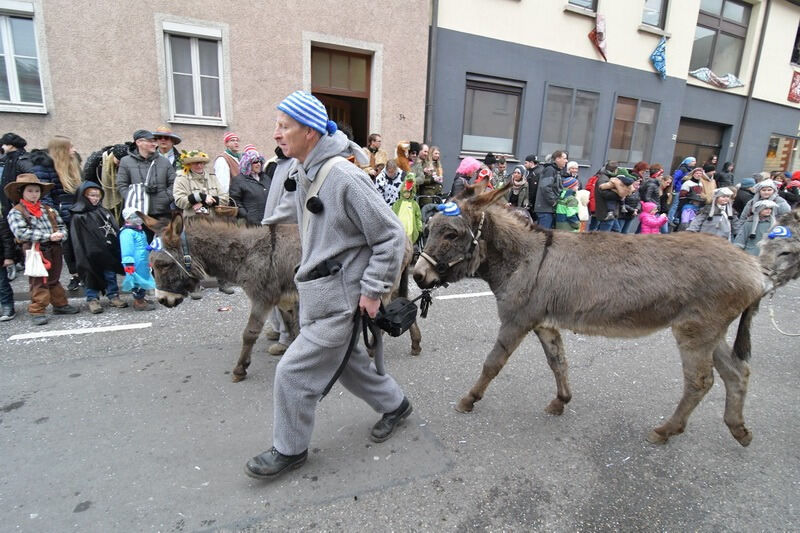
x=775, y=324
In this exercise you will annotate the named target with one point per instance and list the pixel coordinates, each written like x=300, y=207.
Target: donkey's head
x=780, y=251
x=453, y=249
x=176, y=271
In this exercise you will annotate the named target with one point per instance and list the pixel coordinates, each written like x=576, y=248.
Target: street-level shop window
x=20, y=78
x=633, y=131
x=586, y=4
x=491, y=115
x=719, y=36
x=569, y=122
x=655, y=13
x=194, y=67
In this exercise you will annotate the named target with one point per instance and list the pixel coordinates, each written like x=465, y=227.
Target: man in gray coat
x=352, y=249
x=144, y=166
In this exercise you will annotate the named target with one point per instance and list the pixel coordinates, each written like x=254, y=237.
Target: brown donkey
x=260, y=260
x=694, y=283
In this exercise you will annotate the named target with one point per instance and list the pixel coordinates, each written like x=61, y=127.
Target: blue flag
x=659, y=58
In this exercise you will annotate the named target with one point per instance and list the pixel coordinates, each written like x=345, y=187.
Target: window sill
x=480, y=155
x=580, y=11
x=646, y=28
x=22, y=108
x=198, y=121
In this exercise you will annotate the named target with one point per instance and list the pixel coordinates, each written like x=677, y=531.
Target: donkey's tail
x=402, y=289
x=741, y=346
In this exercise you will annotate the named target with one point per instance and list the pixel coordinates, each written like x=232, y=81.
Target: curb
x=25, y=296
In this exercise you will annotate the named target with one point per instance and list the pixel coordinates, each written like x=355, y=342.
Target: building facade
x=523, y=77
x=97, y=71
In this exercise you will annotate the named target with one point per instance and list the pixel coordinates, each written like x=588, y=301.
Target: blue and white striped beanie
x=306, y=109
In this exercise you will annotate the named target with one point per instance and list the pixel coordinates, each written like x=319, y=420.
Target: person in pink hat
x=226, y=164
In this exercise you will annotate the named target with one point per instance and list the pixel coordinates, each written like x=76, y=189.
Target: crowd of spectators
x=75, y=214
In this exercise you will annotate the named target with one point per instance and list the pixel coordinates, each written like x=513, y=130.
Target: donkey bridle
x=186, y=265
x=442, y=268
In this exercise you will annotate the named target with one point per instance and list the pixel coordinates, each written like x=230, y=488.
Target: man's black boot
x=383, y=429
x=273, y=463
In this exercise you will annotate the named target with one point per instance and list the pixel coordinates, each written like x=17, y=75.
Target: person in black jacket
x=549, y=190
x=250, y=188
x=15, y=161
x=725, y=176
x=744, y=194
x=534, y=172
x=95, y=240
x=9, y=253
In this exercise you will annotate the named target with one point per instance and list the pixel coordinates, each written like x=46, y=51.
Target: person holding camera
x=197, y=190
x=145, y=179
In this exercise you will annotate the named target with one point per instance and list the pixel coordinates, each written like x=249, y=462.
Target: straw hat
x=193, y=156
x=164, y=131
x=14, y=189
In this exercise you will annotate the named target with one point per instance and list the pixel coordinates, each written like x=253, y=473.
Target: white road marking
x=79, y=331
x=467, y=295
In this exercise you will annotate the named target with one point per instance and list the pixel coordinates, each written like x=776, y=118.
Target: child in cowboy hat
x=37, y=225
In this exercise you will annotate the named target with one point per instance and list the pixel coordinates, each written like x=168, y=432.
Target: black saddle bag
x=397, y=317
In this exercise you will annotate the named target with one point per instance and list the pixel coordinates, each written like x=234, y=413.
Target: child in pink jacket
x=649, y=222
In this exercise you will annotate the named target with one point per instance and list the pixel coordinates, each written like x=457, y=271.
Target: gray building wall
x=460, y=54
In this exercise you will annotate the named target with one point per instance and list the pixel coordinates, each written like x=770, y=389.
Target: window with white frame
x=20, y=78
x=569, y=122
x=633, y=131
x=194, y=74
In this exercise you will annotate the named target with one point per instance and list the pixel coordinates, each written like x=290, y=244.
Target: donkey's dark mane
x=223, y=223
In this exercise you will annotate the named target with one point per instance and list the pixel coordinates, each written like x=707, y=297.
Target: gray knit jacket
x=355, y=228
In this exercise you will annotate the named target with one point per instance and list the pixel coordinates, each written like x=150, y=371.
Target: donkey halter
x=442, y=268
x=185, y=265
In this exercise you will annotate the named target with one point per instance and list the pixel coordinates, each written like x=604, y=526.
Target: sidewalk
x=21, y=293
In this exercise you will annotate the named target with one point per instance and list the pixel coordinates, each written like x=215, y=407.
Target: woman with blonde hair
x=60, y=165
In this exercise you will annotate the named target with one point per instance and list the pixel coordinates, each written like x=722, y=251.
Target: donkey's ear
x=172, y=233
x=153, y=223
x=467, y=192
x=490, y=197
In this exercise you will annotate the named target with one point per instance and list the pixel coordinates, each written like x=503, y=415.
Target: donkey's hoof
x=238, y=377
x=555, y=407
x=277, y=349
x=744, y=437
x=657, y=438
x=416, y=350
x=464, y=406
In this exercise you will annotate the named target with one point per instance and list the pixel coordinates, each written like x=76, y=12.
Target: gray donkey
x=260, y=260
x=694, y=283
x=780, y=255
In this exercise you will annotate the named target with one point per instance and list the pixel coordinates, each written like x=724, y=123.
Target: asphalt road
x=143, y=430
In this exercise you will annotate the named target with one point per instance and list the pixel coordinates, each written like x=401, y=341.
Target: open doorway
x=699, y=139
x=340, y=79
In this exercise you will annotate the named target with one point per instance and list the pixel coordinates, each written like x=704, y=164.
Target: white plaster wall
x=775, y=71
x=546, y=24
